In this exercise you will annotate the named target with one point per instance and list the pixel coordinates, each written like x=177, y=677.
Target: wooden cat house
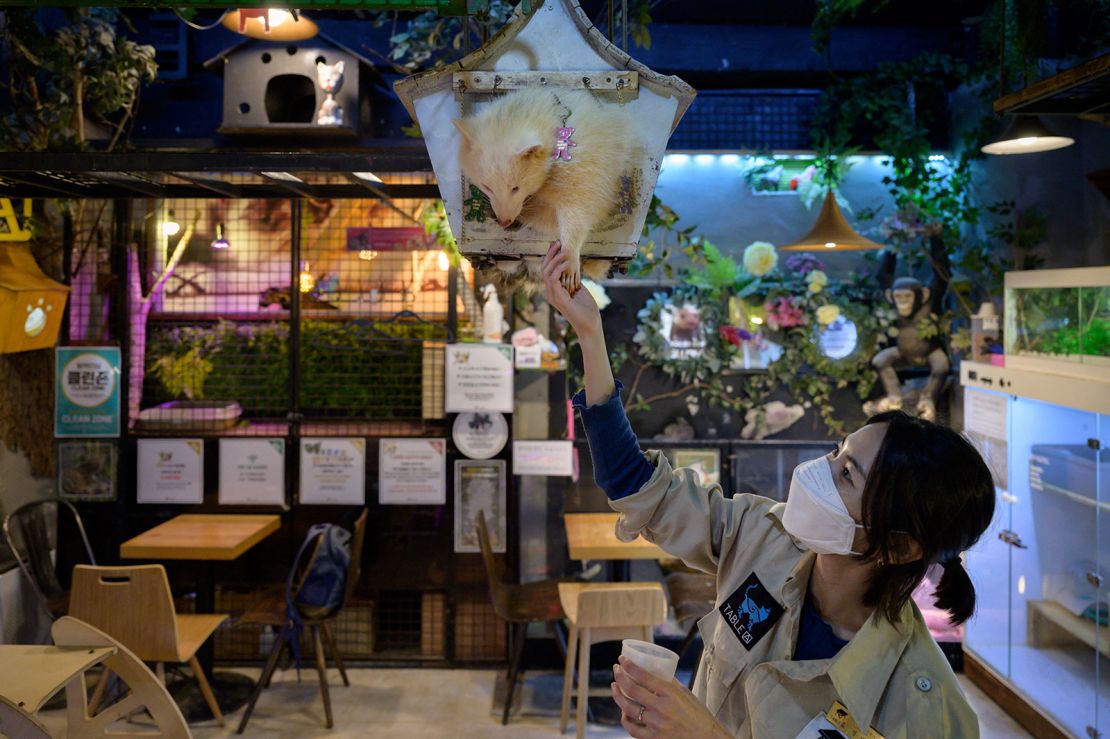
x=31, y=304
x=555, y=47
x=276, y=88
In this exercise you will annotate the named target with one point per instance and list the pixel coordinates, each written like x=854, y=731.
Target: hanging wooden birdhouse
x=31, y=304
x=549, y=132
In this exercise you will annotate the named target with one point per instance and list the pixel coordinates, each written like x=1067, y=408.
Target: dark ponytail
x=954, y=592
x=929, y=482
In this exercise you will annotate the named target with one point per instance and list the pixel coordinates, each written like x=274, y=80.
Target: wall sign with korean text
x=86, y=391
x=412, y=471
x=171, y=471
x=333, y=471
x=479, y=378
x=252, y=471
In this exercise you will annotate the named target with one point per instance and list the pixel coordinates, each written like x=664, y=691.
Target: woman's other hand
x=667, y=709
x=580, y=309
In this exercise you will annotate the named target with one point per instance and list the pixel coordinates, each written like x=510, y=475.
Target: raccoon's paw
x=572, y=279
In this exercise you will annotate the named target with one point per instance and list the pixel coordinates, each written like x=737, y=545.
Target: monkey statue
x=913, y=302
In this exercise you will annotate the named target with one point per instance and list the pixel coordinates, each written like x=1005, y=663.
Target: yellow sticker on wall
x=15, y=231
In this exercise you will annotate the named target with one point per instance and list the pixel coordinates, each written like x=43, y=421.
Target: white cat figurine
x=330, y=77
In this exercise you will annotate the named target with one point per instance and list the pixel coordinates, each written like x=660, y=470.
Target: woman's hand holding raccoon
x=583, y=314
x=580, y=309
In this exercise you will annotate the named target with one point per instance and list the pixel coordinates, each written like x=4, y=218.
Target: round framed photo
x=480, y=435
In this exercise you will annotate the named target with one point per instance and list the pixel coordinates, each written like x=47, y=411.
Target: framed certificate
x=479, y=486
x=479, y=378
x=333, y=471
x=252, y=472
x=171, y=471
x=412, y=471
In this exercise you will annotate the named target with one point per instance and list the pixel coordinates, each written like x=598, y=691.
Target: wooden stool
x=600, y=612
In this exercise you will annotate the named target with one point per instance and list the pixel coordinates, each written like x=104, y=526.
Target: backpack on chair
x=323, y=579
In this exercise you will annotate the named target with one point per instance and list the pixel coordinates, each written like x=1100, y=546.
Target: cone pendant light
x=831, y=232
x=1027, y=134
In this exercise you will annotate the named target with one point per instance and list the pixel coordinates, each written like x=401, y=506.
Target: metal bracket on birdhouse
x=626, y=81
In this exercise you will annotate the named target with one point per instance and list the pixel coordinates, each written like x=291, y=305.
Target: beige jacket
x=894, y=680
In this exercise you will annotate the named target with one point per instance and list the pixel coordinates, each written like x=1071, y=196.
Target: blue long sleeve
x=620, y=468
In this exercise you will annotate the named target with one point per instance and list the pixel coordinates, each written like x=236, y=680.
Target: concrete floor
x=429, y=704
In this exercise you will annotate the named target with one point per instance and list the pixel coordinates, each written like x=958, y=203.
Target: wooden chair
x=18, y=724
x=599, y=613
x=270, y=611
x=134, y=606
x=32, y=532
x=147, y=691
x=519, y=605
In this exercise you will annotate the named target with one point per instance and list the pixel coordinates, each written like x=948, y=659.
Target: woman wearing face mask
x=814, y=630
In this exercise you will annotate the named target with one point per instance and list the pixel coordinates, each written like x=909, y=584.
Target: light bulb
x=170, y=227
x=443, y=261
x=306, y=281
x=830, y=244
x=277, y=16
x=220, y=242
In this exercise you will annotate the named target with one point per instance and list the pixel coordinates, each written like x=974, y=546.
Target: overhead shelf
x=444, y=7
x=1081, y=90
x=219, y=174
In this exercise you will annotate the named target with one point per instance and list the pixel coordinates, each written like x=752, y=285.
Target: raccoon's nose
x=504, y=222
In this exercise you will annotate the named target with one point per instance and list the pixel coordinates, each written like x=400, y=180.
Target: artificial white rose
x=760, y=258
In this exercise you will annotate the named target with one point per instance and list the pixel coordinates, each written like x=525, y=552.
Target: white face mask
x=815, y=513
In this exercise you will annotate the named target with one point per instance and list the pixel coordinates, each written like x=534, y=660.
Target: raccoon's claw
x=571, y=281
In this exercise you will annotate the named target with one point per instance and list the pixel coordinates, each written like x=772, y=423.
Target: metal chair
x=270, y=611
x=31, y=531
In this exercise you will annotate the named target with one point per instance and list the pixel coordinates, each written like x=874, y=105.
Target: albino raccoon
x=553, y=160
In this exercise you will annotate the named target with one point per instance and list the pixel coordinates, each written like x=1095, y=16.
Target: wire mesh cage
x=331, y=312
x=479, y=632
x=90, y=271
x=399, y=622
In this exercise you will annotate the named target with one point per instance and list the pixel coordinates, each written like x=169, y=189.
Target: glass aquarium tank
x=1058, y=320
x=1042, y=571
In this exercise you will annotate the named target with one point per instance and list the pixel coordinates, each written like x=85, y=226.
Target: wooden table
x=204, y=538
x=201, y=536
x=34, y=673
x=593, y=536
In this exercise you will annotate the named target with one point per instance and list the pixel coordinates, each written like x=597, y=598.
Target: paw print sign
x=548, y=132
x=31, y=304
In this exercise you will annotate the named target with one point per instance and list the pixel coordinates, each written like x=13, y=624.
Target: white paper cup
x=657, y=660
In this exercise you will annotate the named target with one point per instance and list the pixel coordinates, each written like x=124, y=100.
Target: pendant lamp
x=270, y=24
x=1027, y=134
x=831, y=232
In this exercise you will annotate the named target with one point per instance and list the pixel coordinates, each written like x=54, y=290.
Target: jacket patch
x=750, y=611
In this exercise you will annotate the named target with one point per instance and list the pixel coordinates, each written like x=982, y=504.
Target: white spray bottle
x=493, y=316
